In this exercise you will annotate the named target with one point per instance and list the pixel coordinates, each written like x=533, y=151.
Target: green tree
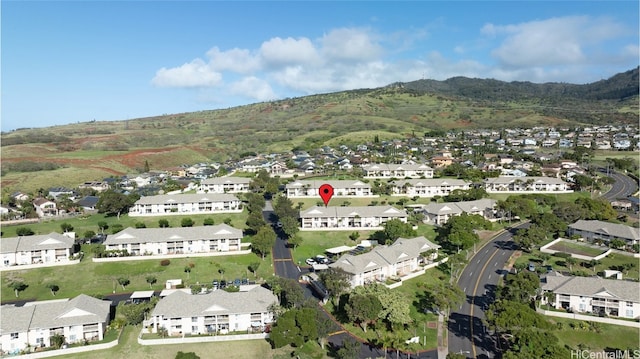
x=349, y=349
x=163, y=223
x=18, y=286
x=123, y=281
x=363, y=309
x=115, y=203
x=263, y=241
x=24, y=231
x=186, y=222
x=133, y=313
x=295, y=241
x=253, y=268
x=395, y=228
x=57, y=340
x=54, y=288
x=336, y=280
x=521, y=287
x=103, y=226
x=255, y=222
x=188, y=355
x=290, y=226
x=66, y=227
x=285, y=331
x=89, y=234
x=208, y=221
x=442, y=297
x=151, y=280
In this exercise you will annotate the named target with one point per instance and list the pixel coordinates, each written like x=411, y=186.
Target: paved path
x=284, y=266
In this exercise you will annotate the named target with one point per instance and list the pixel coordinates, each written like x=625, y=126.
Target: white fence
x=545, y=249
x=68, y=351
x=201, y=339
x=416, y=273
x=170, y=256
x=590, y=318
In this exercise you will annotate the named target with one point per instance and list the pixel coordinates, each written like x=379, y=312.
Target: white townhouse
x=224, y=185
x=341, y=188
x=161, y=241
x=439, y=213
x=386, y=170
x=46, y=249
x=613, y=297
x=78, y=319
x=182, y=204
x=427, y=187
x=402, y=257
x=217, y=312
x=45, y=207
x=605, y=231
x=349, y=218
x=537, y=184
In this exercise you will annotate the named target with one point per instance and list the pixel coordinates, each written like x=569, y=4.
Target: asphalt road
x=479, y=279
x=284, y=266
x=623, y=187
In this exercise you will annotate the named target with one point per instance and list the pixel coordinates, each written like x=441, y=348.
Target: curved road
x=467, y=333
x=284, y=266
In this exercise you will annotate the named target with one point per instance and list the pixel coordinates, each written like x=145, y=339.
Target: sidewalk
x=443, y=349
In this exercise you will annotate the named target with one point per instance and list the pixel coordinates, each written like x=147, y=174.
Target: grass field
x=92, y=278
x=610, y=336
x=577, y=248
x=128, y=347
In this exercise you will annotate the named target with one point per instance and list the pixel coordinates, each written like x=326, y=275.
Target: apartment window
x=194, y=329
x=194, y=319
x=629, y=304
x=629, y=313
x=14, y=336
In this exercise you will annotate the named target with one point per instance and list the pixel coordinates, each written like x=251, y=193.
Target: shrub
x=165, y=262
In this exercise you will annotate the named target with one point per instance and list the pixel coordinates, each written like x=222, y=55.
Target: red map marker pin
x=326, y=192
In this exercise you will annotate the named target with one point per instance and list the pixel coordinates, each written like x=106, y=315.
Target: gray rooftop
x=334, y=184
x=532, y=179
x=361, y=211
x=219, y=302
x=80, y=310
x=430, y=182
x=593, y=287
x=609, y=229
x=148, y=235
x=460, y=207
x=52, y=240
x=395, y=167
x=381, y=256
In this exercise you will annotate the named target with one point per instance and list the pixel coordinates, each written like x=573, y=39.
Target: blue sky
x=67, y=62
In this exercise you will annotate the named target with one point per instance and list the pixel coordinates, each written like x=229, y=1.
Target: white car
x=311, y=261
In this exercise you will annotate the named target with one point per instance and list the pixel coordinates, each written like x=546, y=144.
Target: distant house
x=56, y=192
x=525, y=185
x=612, y=297
x=20, y=196
x=88, y=203
x=80, y=319
x=341, y=188
x=97, y=186
x=440, y=213
x=605, y=231
x=45, y=207
x=45, y=249
x=225, y=185
x=403, y=257
x=217, y=312
x=427, y=187
x=183, y=204
x=348, y=218
x=159, y=241
x=384, y=170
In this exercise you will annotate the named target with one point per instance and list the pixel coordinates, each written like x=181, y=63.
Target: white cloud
x=350, y=45
x=555, y=41
x=235, y=60
x=193, y=74
x=254, y=88
x=279, y=52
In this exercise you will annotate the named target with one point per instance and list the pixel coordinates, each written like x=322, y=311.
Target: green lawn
x=610, y=336
x=101, y=278
x=129, y=348
x=82, y=224
x=577, y=248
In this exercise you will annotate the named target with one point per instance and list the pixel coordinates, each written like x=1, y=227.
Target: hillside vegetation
x=96, y=150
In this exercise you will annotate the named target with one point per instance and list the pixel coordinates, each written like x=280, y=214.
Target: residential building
x=217, y=312
x=182, y=204
x=385, y=170
x=592, y=230
x=427, y=187
x=349, y=218
x=160, y=241
x=612, y=297
x=439, y=213
x=45, y=207
x=525, y=185
x=402, y=257
x=225, y=185
x=47, y=249
x=97, y=186
x=80, y=319
x=341, y=188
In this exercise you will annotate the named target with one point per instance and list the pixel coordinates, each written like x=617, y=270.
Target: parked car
x=237, y=282
x=215, y=284
x=310, y=261
x=532, y=267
